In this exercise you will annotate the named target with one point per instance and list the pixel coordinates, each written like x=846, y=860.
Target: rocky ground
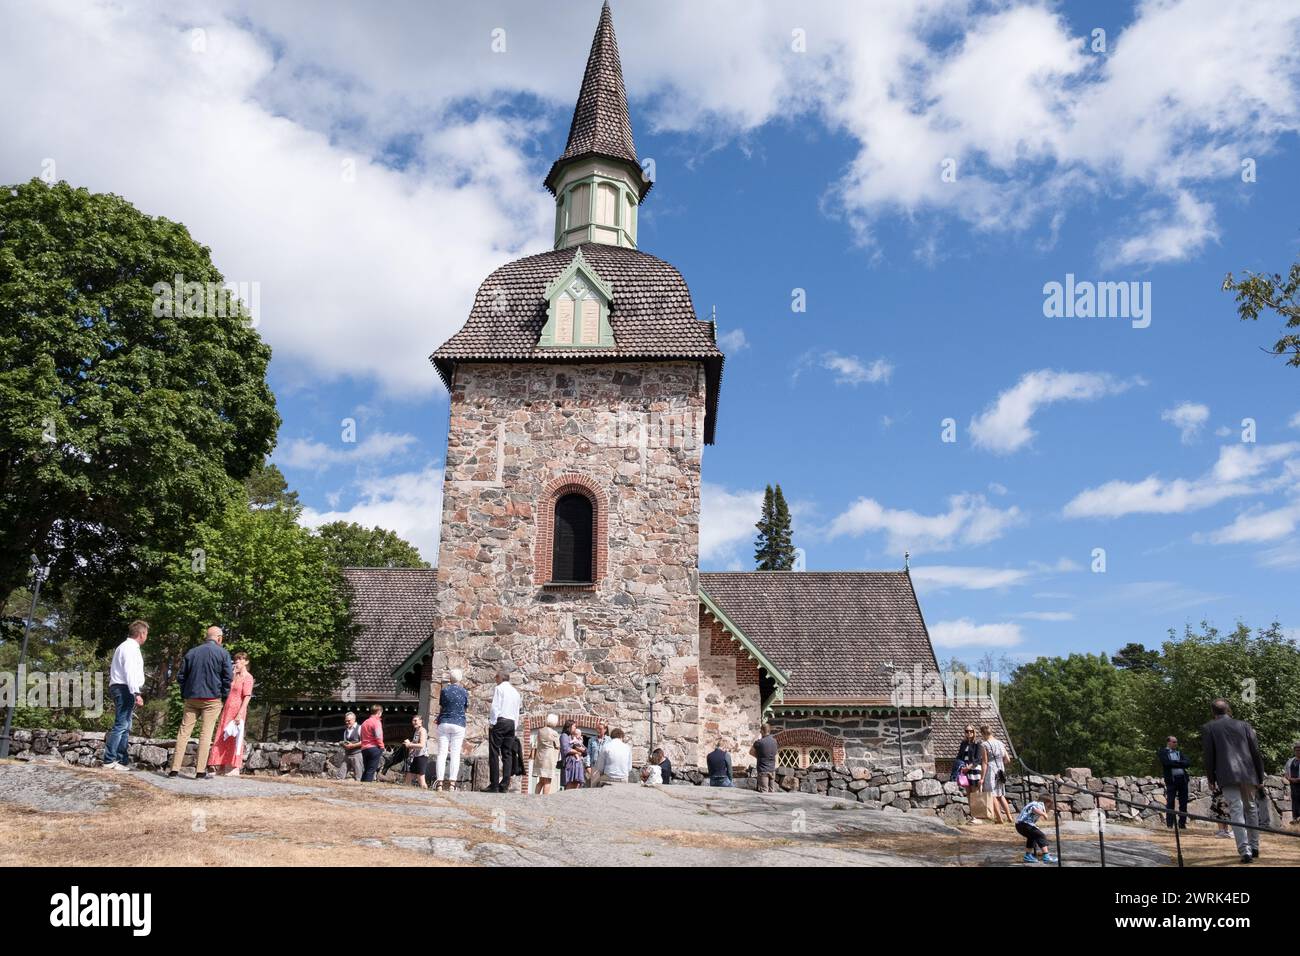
x=54, y=814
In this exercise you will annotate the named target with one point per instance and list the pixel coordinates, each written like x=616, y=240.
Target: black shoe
x=173, y=773
x=1254, y=852
x=202, y=776
x=1247, y=858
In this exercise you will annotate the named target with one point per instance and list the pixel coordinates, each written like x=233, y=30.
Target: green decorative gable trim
x=412, y=661
x=577, y=309
x=762, y=660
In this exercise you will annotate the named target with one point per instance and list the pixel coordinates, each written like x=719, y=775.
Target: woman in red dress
x=227, y=754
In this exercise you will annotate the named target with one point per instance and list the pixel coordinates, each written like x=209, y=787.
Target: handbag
x=1001, y=778
x=962, y=779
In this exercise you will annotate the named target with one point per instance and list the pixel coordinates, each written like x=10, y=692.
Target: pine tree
x=774, y=546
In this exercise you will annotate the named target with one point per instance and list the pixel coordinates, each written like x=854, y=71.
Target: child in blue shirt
x=1035, y=839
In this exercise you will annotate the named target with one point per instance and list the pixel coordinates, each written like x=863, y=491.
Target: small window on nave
x=572, y=541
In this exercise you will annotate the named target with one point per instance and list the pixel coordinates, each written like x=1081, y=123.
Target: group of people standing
x=981, y=771
x=215, y=687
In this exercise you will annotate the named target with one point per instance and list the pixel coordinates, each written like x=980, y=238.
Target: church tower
x=583, y=388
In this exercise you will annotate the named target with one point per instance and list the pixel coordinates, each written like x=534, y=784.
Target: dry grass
x=146, y=826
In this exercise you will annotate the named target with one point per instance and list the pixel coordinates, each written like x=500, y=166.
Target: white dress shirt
x=128, y=666
x=505, y=703
x=615, y=760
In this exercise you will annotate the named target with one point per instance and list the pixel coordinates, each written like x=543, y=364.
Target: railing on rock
x=1053, y=782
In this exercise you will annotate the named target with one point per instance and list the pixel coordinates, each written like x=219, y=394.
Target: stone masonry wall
x=869, y=741
x=729, y=694
x=516, y=430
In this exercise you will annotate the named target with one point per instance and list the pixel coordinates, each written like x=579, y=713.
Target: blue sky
x=367, y=174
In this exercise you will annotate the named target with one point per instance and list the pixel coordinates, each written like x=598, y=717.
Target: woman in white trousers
x=453, y=702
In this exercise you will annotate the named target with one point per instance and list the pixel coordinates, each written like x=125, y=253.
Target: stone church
x=583, y=391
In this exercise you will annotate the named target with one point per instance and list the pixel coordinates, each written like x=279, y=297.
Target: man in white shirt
x=125, y=681
x=615, y=762
x=503, y=718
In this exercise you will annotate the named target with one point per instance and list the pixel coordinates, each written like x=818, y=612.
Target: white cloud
x=1295, y=421
x=970, y=520
x=359, y=278
x=1260, y=525
x=1167, y=234
x=308, y=453
x=964, y=632
x=733, y=341
x=1003, y=426
x=1188, y=418
x=727, y=520
x=845, y=369
x=409, y=503
x=1052, y=616
x=1234, y=475
x=941, y=577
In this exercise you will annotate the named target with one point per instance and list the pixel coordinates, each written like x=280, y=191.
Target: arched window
x=572, y=548
x=789, y=757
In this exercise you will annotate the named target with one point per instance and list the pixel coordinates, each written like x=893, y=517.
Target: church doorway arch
x=586, y=724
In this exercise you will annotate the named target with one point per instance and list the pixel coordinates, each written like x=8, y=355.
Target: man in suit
x=1175, y=769
x=1233, y=764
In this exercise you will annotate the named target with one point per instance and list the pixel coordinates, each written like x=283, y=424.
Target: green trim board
x=794, y=710
x=778, y=675
x=620, y=231
x=569, y=323
x=413, y=660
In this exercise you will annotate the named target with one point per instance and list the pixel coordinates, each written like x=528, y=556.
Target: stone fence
x=892, y=791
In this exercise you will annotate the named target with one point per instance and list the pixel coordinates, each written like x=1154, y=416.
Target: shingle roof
x=600, y=125
x=395, y=609
x=652, y=316
x=831, y=631
x=946, y=729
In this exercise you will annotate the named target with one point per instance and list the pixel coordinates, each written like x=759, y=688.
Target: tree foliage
x=774, y=546
x=1260, y=292
x=270, y=585
x=1074, y=711
x=120, y=429
x=1114, y=715
x=350, y=545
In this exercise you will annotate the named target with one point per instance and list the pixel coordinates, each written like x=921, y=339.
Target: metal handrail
x=1056, y=812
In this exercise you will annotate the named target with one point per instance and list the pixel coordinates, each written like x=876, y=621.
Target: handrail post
x=1178, y=842
x=1101, y=832
x=1056, y=817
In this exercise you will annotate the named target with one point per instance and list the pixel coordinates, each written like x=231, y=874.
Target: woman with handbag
x=995, y=775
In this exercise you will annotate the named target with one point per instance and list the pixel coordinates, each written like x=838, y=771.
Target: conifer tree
x=774, y=546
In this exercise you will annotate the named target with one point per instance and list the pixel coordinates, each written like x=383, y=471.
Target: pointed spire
x=600, y=127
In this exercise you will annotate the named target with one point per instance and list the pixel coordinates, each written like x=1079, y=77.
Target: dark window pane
x=571, y=558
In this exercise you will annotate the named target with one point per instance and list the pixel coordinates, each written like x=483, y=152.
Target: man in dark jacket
x=1175, y=769
x=1233, y=764
x=205, y=679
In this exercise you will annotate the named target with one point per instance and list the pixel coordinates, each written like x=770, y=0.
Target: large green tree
x=124, y=419
x=1262, y=292
x=1257, y=672
x=270, y=584
x=350, y=545
x=774, y=546
x=1076, y=711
